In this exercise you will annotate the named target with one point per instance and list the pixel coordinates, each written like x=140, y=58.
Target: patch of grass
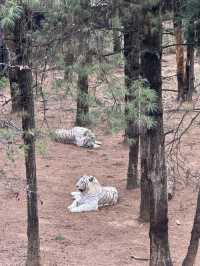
x=59, y=238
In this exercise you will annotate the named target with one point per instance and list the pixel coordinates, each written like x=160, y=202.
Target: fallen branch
x=138, y=258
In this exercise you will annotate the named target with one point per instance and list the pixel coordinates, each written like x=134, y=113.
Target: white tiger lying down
x=80, y=136
x=92, y=195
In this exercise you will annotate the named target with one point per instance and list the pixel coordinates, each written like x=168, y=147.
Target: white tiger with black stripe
x=91, y=195
x=80, y=136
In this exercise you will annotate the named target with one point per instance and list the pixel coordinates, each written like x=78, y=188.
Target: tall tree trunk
x=179, y=49
x=69, y=60
x=23, y=48
x=144, y=183
x=157, y=179
x=82, y=113
x=144, y=215
x=189, y=72
x=132, y=70
x=22, y=52
x=14, y=90
x=197, y=30
x=28, y=125
x=116, y=26
x=4, y=55
x=69, y=54
x=132, y=173
x=195, y=236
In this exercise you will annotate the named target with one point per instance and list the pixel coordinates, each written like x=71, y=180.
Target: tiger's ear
x=91, y=178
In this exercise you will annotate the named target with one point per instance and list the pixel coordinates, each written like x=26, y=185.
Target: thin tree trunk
x=13, y=73
x=179, y=49
x=4, y=55
x=69, y=60
x=157, y=179
x=14, y=90
x=144, y=215
x=69, y=55
x=116, y=40
x=28, y=125
x=195, y=236
x=189, y=73
x=116, y=26
x=132, y=70
x=132, y=174
x=82, y=112
x=197, y=30
x=22, y=52
x=144, y=183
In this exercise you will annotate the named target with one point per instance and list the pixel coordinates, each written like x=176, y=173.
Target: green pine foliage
x=191, y=17
x=9, y=12
x=8, y=136
x=3, y=83
x=192, y=9
x=138, y=110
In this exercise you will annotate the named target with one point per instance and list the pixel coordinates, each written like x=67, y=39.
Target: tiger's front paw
x=72, y=206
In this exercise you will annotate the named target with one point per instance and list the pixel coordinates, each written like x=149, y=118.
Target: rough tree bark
x=4, y=55
x=157, y=179
x=132, y=71
x=82, y=113
x=28, y=126
x=144, y=183
x=115, y=26
x=195, y=236
x=189, y=71
x=14, y=90
x=22, y=54
x=69, y=56
x=144, y=215
x=197, y=30
x=69, y=60
x=178, y=33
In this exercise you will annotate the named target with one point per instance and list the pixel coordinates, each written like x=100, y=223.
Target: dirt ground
x=111, y=236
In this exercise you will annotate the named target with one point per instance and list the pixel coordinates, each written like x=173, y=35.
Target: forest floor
x=111, y=236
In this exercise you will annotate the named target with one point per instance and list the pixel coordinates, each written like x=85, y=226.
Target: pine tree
x=189, y=66
x=178, y=32
x=116, y=26
x=157, y=179
x=131, y=24
x=21, y=15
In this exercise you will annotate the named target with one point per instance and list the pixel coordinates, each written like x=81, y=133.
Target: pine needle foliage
x=191, y=17
x=138, y=110
x=143, y=105
x=192, y=9
x=9, y=12
x=3, y=83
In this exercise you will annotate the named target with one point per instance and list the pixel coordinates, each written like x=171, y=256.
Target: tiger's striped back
x=108, y=196
x=66, y=136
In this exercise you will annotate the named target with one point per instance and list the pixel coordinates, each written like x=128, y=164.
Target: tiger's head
x=88, y=184
x=89, y=139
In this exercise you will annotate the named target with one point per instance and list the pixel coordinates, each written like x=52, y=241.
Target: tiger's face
x=87, y=184
x=89, y=140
